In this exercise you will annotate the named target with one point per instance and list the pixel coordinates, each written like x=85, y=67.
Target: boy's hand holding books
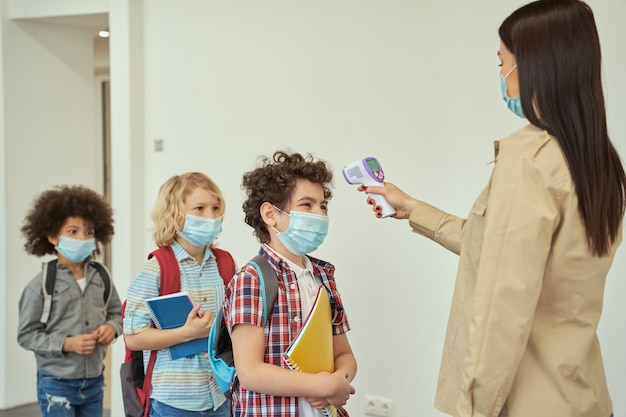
x=189, y=327
x=339, y=391
x=198, y=323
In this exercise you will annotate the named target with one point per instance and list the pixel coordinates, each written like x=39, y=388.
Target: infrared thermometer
x=367, y=171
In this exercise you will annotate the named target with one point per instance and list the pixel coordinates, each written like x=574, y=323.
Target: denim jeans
x=60, y=397
x=158, y=409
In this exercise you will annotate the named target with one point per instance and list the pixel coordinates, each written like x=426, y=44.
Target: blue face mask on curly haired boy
x=75, y=250
x=305, y=233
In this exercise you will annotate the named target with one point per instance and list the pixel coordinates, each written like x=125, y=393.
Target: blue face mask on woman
x=75, y=250
x=514, y=104
x=200, y=231
x=305, y=233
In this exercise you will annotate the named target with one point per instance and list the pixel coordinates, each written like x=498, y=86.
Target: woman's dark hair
x=53, y=207
x=274, y=180
x=557, y=51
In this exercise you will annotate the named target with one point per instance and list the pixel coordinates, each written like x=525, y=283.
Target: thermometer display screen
x=373, y=165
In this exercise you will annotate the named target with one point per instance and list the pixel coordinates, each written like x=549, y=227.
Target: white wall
x=408, y=82
x=25, y=9
x=127, y=148
x=3, y=267
x=414, y=83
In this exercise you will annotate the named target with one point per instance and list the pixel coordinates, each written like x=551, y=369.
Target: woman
x=539, y=241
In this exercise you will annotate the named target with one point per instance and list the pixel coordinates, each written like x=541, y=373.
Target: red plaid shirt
x=244, y=305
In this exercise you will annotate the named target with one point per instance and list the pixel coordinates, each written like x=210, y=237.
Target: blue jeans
x=158, y=409
x=60, y=397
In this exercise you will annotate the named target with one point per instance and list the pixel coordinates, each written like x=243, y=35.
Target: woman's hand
x=401, y=201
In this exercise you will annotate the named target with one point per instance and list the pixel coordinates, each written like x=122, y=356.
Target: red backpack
x=135, y=383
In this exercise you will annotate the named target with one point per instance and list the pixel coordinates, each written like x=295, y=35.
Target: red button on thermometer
x=367, y=171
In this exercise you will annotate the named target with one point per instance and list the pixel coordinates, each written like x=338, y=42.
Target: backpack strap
x=269, y=292
x=269, y=287
x=106, y=278
x=169, y=283
x=221, y=352
x=170, y=272
x=147, y=380
x=225, y=264
x=48, y=279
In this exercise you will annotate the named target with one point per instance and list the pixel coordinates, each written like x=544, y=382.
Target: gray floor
x=30, y=410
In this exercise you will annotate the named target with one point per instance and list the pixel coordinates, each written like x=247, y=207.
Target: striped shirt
x=243, y=304
x=186, y=383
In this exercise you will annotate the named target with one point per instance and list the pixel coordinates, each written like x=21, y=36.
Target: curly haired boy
x=287, y=206
x=70, y=222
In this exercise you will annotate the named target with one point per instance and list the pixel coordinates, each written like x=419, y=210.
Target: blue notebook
x=170, y=312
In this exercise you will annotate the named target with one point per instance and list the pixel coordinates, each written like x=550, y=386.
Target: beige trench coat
x=521, y=338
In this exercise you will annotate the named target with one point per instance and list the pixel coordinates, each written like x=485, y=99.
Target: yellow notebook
x=312, y=349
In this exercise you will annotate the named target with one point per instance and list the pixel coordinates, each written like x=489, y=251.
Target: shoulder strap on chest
x=170, y=272
x=106, y=278
x=48, y=279
x=225, y=264
x=221, y=356
x=269, y=279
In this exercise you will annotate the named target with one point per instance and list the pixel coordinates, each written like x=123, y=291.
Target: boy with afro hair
x=70, y=222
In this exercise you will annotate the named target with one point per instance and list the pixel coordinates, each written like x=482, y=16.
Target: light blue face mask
x=305, y=233
x=75, y=250
x=200, y=231
x=513, y=104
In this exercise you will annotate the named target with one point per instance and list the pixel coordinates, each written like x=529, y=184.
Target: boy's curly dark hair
x=274, y=181
x=53, y=207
